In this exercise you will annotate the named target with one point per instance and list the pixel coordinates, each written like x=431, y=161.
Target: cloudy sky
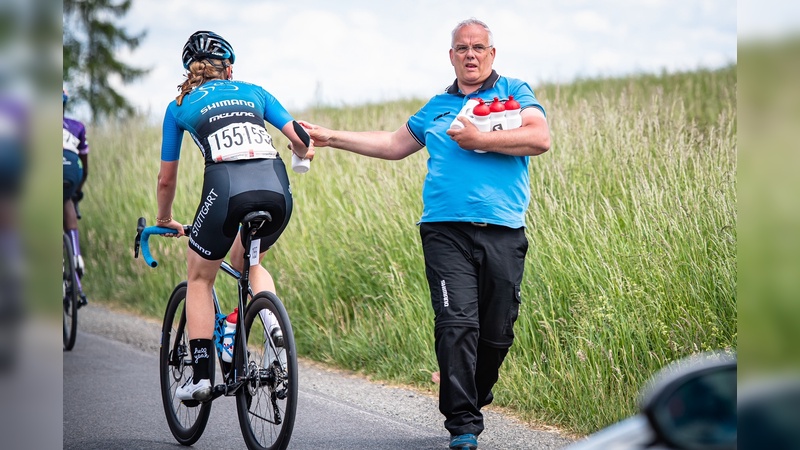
x=356, y=51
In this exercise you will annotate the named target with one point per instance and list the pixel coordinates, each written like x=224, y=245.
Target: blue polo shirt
x=464, y=186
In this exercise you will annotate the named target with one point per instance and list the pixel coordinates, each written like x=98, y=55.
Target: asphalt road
x=112, y=401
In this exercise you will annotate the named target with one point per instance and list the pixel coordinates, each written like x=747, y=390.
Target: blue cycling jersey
x=226, y=120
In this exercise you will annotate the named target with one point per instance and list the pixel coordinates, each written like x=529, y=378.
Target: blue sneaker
x=464, y=442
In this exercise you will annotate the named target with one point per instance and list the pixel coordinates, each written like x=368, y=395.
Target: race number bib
x=241, y=141
x=71, y=141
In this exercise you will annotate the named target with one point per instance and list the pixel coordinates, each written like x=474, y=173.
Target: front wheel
x=187, y=420
x=268, y=402
x=70, y=294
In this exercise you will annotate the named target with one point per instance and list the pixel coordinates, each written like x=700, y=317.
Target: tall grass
x=632, y=243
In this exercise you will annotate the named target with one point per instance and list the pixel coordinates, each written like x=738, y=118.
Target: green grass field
x=632, y=230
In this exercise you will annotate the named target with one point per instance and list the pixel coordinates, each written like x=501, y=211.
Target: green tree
x=91, y=39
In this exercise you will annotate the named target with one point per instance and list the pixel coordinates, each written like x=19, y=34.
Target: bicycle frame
x=237, y=376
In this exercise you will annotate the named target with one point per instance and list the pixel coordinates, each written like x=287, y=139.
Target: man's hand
x=469, y=137
x=320, y=135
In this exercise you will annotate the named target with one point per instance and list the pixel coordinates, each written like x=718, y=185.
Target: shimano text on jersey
x=232, y=102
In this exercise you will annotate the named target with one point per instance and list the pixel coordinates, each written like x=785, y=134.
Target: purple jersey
x=75, y=137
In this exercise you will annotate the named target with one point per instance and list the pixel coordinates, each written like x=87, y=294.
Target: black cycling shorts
x=230, y=191
x=73, y=173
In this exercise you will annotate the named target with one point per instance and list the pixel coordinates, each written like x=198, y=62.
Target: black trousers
x=474, y=273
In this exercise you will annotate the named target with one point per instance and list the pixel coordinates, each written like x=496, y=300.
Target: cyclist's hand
x=175, y=225
x=77, y=196
x=309, y=154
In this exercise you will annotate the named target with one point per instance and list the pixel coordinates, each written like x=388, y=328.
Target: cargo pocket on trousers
x=513, y=313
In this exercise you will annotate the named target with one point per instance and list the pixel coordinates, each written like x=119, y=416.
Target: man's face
x=472, y=66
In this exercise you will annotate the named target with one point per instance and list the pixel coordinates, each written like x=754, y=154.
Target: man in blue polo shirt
x=473, y=220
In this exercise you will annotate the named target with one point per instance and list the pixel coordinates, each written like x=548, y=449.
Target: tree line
x=90, y=43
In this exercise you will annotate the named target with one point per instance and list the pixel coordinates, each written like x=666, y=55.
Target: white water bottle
x=300, y=165
x=466, y=111
x=498, y=115
x=481, y=113
x=228, y=334
x=481, y=119
x=513, y=113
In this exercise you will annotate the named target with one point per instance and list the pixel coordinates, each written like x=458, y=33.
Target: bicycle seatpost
x=251, y=223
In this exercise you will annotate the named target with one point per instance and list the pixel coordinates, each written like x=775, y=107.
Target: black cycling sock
x=201, y=353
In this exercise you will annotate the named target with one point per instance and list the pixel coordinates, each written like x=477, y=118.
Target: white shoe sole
x=201, y=395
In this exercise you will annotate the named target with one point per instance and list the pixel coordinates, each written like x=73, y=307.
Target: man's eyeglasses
x=478, y=49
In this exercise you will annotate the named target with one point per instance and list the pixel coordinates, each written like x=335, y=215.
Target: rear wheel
x=268, y=402
x=187, y=420
x=70, y=292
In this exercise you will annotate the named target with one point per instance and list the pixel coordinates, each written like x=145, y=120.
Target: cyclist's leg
x=200, y=317
x=208, y=245
x=71, y=228
x=200, y=306
x=271, y=194
x=187, y=419
x=260, y=281
x=260, y=278
x=73, y=172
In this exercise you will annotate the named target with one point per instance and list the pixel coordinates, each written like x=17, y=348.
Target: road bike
x=70, y=292
x=262, y=374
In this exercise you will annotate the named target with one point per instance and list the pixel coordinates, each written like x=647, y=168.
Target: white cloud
x=591, y=21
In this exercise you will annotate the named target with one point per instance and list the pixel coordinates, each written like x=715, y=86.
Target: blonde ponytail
x=200, y=72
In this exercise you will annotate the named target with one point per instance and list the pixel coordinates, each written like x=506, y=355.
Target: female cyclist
x=243, y=172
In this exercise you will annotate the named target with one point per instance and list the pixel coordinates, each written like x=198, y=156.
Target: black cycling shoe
x=82, y=301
